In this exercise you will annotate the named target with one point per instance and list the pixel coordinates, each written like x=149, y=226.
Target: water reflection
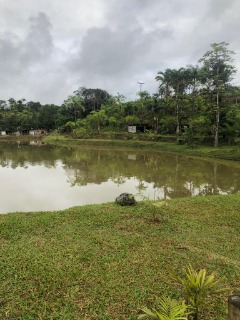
x=35, y=176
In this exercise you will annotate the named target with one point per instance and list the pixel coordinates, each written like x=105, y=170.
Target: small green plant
x=196, y=286
x=157, y=215
x=169, y=309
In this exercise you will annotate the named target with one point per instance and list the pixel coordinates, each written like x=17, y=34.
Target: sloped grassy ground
x=105, y=261
x=222, y=152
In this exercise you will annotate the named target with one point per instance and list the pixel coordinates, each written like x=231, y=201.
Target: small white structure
x=132, y=157
x=132, y=129
x=39, y=132
x=3, y=133
x=33, y=132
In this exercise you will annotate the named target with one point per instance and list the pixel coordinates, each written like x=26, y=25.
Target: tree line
x=192, y=101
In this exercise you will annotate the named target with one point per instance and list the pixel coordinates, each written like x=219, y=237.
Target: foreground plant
x=169, y=309
x=156, y=209
x=196, y=286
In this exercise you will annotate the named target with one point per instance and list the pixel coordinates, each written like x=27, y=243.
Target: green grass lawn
x=222, y=152
x=105, y=261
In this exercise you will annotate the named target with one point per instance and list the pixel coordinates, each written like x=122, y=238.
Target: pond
x=39, y=177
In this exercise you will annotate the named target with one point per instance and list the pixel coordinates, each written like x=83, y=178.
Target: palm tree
x=75, y=104
x=173, y=85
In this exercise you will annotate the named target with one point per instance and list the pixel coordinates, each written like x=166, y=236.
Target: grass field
x=106, y=261
x=222, y=152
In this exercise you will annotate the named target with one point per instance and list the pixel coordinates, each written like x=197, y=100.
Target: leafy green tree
x=96, y=119
x=11, y=121
x=216, y=73
x=200, y=125
x=12, y=104
x=47, y=117
x=33, y=106
x=74, y=105
x=3, y=105
x=27, y=120
x=146, y=109
x=93, y=99
x=69, y=126
x=114, y=109
x=173, y=85
x=131, y=120
x=231, y=127
x=21, y=105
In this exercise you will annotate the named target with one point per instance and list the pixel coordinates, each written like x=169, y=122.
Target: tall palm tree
x=173, y=85
x=75, y=104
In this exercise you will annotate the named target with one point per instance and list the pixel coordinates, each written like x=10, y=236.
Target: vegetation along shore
x=153, y=142
x=198, y=104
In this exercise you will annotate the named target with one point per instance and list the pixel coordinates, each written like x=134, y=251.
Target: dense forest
x=193, y=101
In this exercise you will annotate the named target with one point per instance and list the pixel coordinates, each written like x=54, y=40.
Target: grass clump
x=108, y=261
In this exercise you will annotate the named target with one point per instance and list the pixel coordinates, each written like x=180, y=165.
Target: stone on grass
x=125, y=199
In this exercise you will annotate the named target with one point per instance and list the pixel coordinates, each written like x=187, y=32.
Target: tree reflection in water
x=156, y=173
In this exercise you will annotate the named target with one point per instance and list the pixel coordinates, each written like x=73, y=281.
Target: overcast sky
x=49, y=48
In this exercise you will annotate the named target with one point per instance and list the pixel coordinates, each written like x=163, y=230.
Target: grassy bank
x=20, y=138
x=105, y=261
x=222, y=152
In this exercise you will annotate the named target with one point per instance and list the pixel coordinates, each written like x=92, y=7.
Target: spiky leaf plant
x=169, y=309
x=196, y=286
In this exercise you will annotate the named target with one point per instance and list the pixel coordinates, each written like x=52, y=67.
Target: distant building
x=132, y=129
x=6, y=133
x=138, y=128
x=38, y=132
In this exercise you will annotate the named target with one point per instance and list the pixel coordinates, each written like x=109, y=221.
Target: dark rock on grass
x=125, y=199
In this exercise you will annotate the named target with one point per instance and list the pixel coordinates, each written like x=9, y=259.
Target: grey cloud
x=220, y=22
x=106, y=53
x=109, y=44
x=38, y=44
x=11, y=69
x=17, y=54
x=27, y=64
x=218, y=8
x=122, y=51
x=7, y=54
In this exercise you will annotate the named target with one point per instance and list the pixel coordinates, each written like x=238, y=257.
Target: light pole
x=140, y=84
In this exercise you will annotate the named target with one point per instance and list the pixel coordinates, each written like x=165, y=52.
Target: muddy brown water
x=36, y=177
